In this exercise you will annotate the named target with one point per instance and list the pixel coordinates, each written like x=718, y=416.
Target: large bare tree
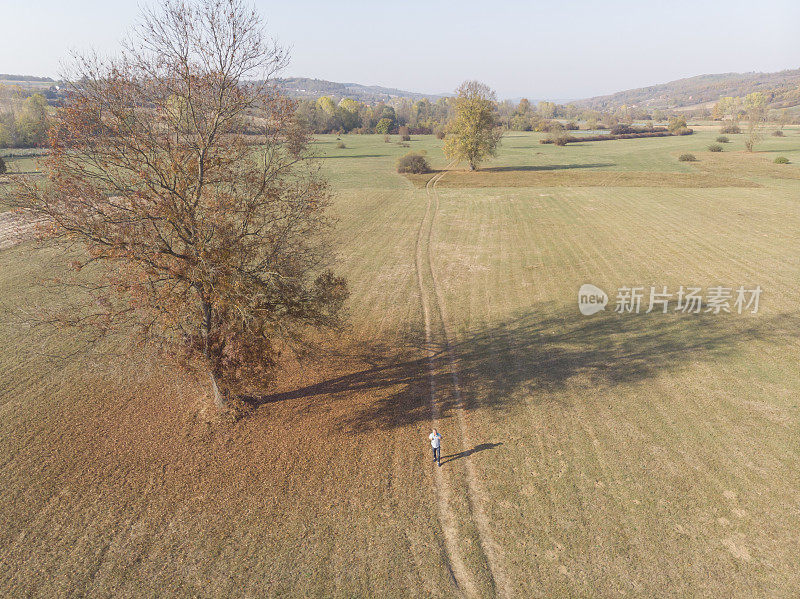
x=188, y=183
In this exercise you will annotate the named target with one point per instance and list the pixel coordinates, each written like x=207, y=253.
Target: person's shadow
x=469, y=452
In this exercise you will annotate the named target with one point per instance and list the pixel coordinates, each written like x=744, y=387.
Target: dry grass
x=641, y=456
x=571, y=176
x=115, y=484
x=755, y=165
x=15, y=227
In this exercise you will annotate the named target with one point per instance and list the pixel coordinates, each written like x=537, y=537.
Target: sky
x=536, y=49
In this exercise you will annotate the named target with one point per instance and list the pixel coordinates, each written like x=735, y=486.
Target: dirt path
x=477, y=496
x=15, y=227
x=433, y=309
x=462, y=577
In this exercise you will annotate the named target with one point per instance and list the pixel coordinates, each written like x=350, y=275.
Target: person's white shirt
x=436, y=440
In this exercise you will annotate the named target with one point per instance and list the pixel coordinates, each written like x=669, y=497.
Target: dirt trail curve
x=434, y=315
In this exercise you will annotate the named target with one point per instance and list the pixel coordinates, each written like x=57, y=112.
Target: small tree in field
x=473, y=133
x=784, y=118
x=383, y=126
x=755, y=106
x=208, y=246
x=676, y=123
x=558, y=134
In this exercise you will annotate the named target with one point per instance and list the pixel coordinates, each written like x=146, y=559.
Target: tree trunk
x=220, y=399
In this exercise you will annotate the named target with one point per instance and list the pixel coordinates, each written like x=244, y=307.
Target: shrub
x=722, y=139
x=405, y=138
x=781, y=160
x=778, y=133
x=440, y=134
x=621, y=129
x=677, y=123
x=571, y=126
x=715, y=148
x=687, y=158
x=341, y=145
x=413, y=163
x=558, y=135
x=2, y=166
x=730, y=129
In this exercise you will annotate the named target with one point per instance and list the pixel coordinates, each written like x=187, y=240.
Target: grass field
x=21, y=160
x=18, y=161
x=613, y=455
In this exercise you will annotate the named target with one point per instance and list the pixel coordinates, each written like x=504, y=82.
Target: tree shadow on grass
x=328, y=157
x=537, y=353
x=523, y=168
x=545, y=167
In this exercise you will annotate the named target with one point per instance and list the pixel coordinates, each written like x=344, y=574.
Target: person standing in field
x=436, y=444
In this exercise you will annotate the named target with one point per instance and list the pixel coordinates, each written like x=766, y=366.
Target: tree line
x=23, y=122
x=329, y=114
x=326, y=115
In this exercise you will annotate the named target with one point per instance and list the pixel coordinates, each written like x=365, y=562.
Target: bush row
x=622, y=129
x=662, y=133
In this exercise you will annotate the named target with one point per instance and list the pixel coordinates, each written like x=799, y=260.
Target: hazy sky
x=551, y=49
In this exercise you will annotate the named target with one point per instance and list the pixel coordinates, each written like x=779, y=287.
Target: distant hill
x=782, y=88
x=303, y=87
x=7, y=77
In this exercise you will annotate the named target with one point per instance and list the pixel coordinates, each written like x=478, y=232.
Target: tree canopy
x=190, y=237
x=25, y=121
x=474, y=132
x=755, y=107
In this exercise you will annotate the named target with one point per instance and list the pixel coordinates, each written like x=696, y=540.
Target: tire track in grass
x=16, y=227
x=476, y=495
x=459, y=573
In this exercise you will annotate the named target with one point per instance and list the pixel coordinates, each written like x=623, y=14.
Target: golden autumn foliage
x=474, y=132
